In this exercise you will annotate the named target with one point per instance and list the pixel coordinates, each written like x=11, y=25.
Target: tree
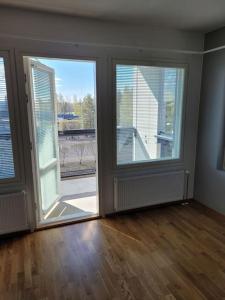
x=169, y=120
x=64, y=105
x=60, y=103
x=77, y=108
x=79, y=150
x=84, y=109
x=125, y=107
x=88, y=112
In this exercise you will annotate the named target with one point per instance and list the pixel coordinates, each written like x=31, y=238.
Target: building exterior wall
x=146, y=102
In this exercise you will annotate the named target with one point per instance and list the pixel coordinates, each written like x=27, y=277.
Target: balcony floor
x=78, y=199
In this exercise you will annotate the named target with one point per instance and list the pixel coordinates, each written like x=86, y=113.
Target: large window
x=6, y=153
x=148, y=113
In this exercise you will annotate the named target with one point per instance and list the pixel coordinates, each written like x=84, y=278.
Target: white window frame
x=174, y=162
x=13, y=108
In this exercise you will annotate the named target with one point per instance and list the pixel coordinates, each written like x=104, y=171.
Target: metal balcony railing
x=77, y=151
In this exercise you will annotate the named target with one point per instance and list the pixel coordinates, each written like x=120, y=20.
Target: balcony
x=78, y=200
x=77, y=153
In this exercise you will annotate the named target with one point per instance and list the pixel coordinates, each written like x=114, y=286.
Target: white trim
x=214, y=49
x=65, y=221
x=100, y=45
x=30, y=116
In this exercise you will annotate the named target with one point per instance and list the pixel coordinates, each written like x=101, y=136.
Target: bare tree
x=63, y=151
x=79, y=149
x=93, y=149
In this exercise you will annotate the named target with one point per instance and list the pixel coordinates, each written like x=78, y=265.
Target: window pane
x=149, y=112
x=6, y=154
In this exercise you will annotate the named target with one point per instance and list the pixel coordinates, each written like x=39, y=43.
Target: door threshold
x=61, y=222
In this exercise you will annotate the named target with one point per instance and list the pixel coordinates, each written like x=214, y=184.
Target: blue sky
x=73, y=77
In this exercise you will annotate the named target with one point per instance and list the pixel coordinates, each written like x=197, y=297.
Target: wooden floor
x=176, y=252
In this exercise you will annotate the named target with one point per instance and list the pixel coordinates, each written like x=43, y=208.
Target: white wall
x=32, y=33
x=210, y=176
x=50, y=27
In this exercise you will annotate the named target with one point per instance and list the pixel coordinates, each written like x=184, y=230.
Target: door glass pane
x=44, y=116
x=149, y=113
x=46, y=133
x=6, y=152
x=49, y=188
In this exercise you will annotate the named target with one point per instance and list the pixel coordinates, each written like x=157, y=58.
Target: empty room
x=112, y=150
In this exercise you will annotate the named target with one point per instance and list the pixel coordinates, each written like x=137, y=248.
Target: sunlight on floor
x=87, y=204
x=78, y=199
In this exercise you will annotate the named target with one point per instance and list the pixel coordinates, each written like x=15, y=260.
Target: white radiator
x=145, y=190
x=13, y=212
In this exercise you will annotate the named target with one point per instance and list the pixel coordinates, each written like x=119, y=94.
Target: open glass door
x=62, y=112
x=41, y=84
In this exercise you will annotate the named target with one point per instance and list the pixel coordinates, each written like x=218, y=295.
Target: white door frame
x=36, y=192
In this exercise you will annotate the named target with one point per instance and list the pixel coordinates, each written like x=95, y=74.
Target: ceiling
x=198, y=15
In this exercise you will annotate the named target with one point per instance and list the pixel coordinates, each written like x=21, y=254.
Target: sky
x=73, y=77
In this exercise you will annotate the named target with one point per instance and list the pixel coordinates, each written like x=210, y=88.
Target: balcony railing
x=77, y=151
